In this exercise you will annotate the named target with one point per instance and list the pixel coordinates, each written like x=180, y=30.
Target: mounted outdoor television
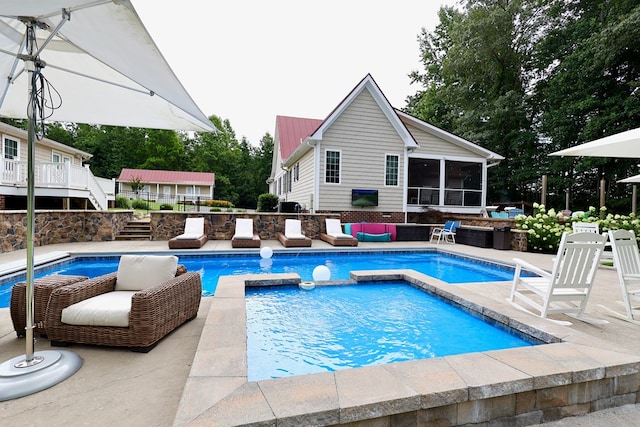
x=364, y=198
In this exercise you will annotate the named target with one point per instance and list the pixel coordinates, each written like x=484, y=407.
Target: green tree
x=474, y=81
x=222, y=154
x=588, y=71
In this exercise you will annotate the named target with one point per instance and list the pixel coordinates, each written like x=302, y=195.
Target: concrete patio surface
x=117, y=387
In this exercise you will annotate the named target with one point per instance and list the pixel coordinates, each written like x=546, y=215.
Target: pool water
x=449, y=268
x=293, y=332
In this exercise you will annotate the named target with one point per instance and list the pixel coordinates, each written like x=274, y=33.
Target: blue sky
x=248, y=61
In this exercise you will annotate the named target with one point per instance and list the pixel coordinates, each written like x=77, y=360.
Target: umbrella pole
x=33, y=372
x=30, y=338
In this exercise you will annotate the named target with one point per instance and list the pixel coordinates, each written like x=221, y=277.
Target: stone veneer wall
x=60, y=226
x=221, y=225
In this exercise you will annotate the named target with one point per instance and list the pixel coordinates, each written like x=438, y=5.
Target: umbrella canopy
x=624, y=144
x=631, y=179
x=103, y=65
x=84, y=61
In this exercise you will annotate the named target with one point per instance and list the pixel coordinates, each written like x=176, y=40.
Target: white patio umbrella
x=85, y=61
x=624, y=144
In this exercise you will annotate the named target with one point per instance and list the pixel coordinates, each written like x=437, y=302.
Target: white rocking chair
x=567, y=288
x=626, y=259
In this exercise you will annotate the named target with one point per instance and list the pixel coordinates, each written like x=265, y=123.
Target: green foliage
x=545, y=227
x=122, y=202
x=474, y=79
x=215, y=210
x=140, y=204
x=526, y=78
x=166, y=207
x=136, y=184
x=268, y=202
x=219, y=203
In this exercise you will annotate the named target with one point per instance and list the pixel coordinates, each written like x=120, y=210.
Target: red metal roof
x=292, y=131
x=168, y=177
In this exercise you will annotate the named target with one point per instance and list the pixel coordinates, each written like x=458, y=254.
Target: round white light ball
x=266, y=252
x=321, y=273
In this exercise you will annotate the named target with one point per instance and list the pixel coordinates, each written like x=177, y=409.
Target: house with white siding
x=368, y=156
x=61, y=178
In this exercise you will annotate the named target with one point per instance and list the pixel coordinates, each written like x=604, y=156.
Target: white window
x=10, y=148
x=60, y=158
x=391, y=170
x=332, y=167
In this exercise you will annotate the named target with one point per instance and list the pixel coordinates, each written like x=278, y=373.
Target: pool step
x=135, y=230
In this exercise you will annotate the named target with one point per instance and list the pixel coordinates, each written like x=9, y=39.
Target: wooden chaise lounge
x=244, y=236
x=335, y=236
x=293, y=236
x=194, y=236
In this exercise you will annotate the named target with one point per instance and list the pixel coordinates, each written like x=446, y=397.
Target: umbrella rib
x=66, y=16
x=12, y=76
x=80, y=7
x=145, y=92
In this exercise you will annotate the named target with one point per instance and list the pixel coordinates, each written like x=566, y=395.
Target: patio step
x=135, y=230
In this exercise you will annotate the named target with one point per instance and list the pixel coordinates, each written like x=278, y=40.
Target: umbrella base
x=19, y=378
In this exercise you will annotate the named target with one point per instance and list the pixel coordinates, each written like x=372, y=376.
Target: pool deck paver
x=161, y=388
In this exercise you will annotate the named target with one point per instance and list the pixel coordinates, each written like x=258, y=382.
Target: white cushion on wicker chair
x=137, y=272
x=108, y=309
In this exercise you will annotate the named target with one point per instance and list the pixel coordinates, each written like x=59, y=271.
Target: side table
x=42, y=289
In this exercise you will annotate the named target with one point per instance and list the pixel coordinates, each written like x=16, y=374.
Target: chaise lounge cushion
x=137, y=272
x=108, y=309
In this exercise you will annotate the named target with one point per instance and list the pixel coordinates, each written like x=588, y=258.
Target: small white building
x=366, y=155
x=168, y=186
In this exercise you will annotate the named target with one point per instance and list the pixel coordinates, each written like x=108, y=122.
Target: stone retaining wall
x=66, y=226
x=221, y=225
x=60, y=226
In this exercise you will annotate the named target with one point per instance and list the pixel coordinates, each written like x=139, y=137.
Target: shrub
x=122, y=202
x=268, y=202
x=215, y=210
x=140, y=204
x=218, y=203
x=544, y=228
x=166, y=207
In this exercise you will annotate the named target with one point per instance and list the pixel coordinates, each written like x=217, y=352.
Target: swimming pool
x=447, y=267
x=295, y=332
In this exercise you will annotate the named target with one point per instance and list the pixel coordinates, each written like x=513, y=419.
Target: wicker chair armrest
x=181, y=269
x=151, y=304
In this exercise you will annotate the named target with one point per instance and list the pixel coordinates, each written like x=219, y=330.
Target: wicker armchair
x=155, y=312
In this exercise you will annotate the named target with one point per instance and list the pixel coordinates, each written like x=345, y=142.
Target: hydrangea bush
x=545, y=227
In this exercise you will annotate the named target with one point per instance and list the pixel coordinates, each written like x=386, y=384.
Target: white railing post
x=67, y=174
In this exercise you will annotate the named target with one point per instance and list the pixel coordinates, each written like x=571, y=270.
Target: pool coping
x=575, y=373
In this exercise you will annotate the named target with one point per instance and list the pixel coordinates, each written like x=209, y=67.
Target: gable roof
x=292, y=131
x=367, y=83
x=167, y=177
x=448, y=136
